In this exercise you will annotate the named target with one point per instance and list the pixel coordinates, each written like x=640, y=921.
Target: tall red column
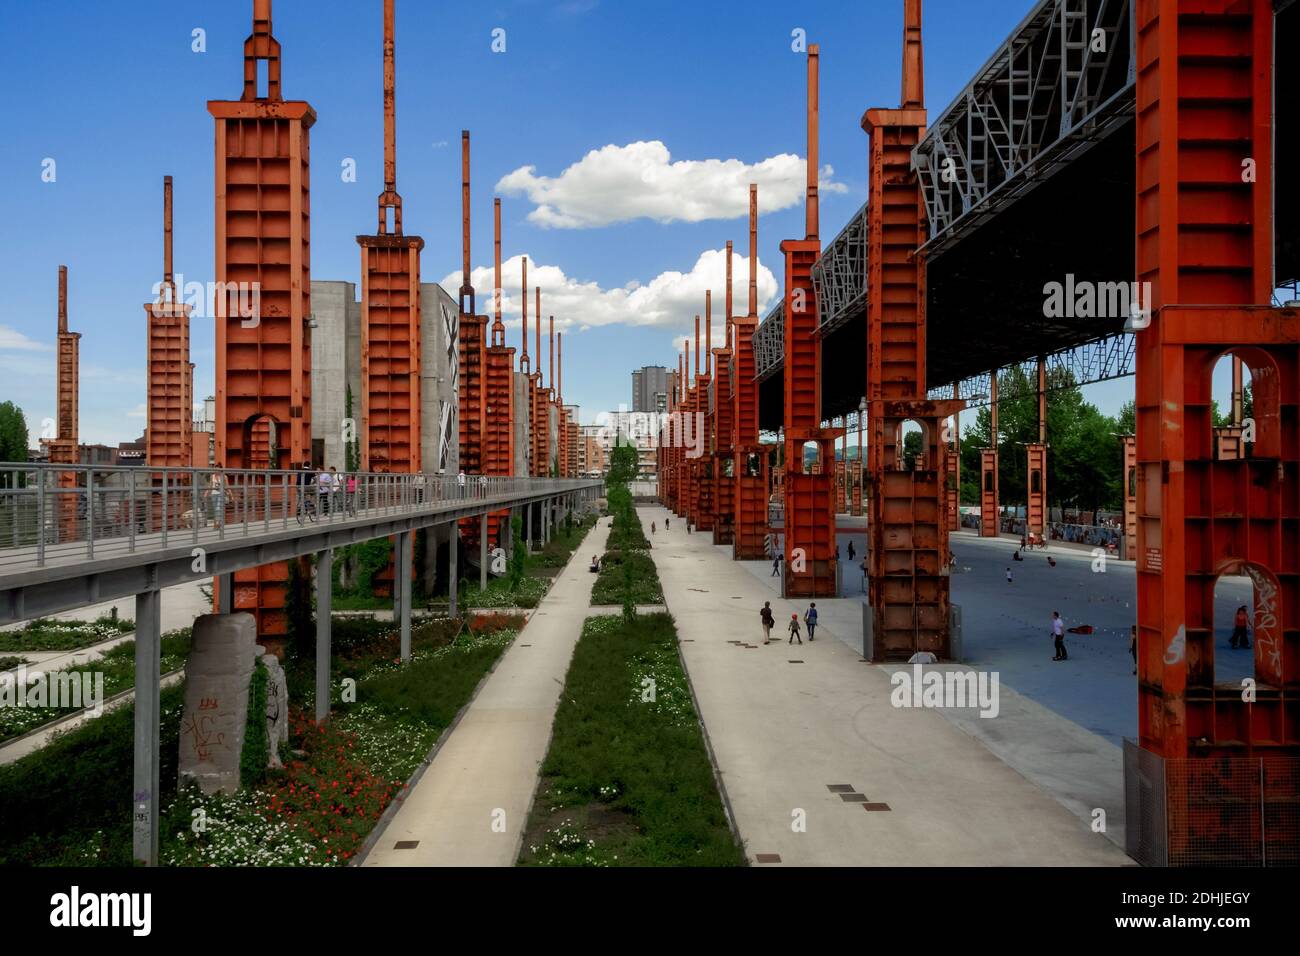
x=909, y=533
x=1204, y=261
x=751, y=457
x=471, y=342
x=810, y=553
x=263, y=261
x=170, y=414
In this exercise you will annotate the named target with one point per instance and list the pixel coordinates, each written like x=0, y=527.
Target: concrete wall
x=335, y=364
x=554, y=448
x=522, y=430
x=439, y=381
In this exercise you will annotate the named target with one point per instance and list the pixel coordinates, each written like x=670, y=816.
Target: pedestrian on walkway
x=652, y=527
x=667, y=523
x=765, y=615
x=810, y=618
x=460, y=481
x=776, y=564
x=794, y=629
x=1008, y=575
x=1058, y=634
x=1133, y=647
x=852, y=554
x=1240, y=634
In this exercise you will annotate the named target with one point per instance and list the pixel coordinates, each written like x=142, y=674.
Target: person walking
x=765, y=615
x=306, y=482
x=1240, y=634
x=652, y=527
x=324, y=487
x=350, y=483
x=1133, y=647
x=810, y=618
x=668, y=523
x=460, y=482
x=794, y=629
x=336, y=489
x=1008, y=575
x=852, y=553
x=776, y=564
x=217, y=498
x=1058, y=635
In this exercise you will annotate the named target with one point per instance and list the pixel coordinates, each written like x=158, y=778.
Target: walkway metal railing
x=56, y=513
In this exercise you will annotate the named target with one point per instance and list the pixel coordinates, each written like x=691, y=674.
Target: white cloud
x=670, y=299
x=11, y=340
x=640, y=181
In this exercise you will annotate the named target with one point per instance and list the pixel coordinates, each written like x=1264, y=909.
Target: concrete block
x=222, y=657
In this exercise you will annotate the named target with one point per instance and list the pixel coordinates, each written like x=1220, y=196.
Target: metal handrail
x=53, y=513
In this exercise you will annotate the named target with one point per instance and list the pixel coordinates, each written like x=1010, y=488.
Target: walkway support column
x=225, y=593
x=148, y=714
x=403, y=590
x=989, y=467
x=482, y=551
x=1036, y=472
x=324, y=631
x=453, y=573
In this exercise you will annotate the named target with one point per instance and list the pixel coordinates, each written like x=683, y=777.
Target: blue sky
x=115, y=95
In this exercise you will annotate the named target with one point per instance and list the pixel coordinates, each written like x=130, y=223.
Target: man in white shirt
x=1058, y=634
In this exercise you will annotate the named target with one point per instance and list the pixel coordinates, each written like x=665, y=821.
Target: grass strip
x=627, y=780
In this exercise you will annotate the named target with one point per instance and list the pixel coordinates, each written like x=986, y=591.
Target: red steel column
x=64, y=447
x=170, y=413
x=810, y=563
x=751, y=468
x=1130, y=496
x=989, y=517
x=721, y=449
x=909, y=534
x=1204, y=261
x=263, y=258
x=471, y=341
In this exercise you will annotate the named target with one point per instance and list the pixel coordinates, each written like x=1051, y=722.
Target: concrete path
x=486, y=771
x=785, y=733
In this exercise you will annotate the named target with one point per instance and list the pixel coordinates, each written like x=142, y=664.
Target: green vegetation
x=1084, y=454
x=48, y=634
x=13, y=433
x=118, y=667
x=627, y=577
x=627, y=573
x=627, y=780
x=70, y=802
x=8, y=663
x=255, y=752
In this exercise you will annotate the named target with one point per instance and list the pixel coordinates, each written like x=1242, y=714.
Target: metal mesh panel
x=1211, y=811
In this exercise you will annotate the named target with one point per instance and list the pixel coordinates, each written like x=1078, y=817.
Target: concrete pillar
x=148, y=649
x=453, y=575
x=482, y=551
x=324, y=607
x=402, y=588
x=226, y=593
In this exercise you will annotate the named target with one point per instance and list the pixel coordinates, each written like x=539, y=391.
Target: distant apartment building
x=651, y=387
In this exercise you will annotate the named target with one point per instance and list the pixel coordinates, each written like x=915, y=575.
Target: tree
x=13, y=433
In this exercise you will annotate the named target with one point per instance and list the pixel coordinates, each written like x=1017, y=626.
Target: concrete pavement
x=792, y=726
x=471, y=805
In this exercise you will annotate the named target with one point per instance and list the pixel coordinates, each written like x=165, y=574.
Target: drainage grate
x=840, y=787
x=794, y=662
x=875, y=806
x=406, y=844
x=767, y=858
x=853, y=797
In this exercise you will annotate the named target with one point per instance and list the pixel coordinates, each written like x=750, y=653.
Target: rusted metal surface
x=1036, y=495
x=908, y=582
x=810, y=568
x=1204, y=242
x=751, y=459
x=263, y=249
x=169, y=381
x=988, y=492
x=1130, y=495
